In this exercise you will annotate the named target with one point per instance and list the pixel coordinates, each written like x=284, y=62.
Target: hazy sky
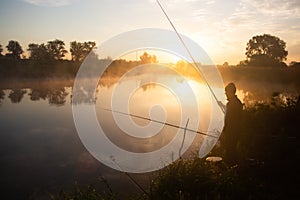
x=221, y=27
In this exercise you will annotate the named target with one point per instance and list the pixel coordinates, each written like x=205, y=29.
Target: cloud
x=266, y=15
x=282, y=8
x=49, y=3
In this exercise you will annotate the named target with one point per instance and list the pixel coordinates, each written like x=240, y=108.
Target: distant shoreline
x=15, y=73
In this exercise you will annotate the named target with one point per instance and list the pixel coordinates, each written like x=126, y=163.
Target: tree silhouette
x=56, y=49
x=38, y=52
x=14, y=48
x=265, y=50
x=146, y=58
x=57, y=96
x=38, y=93
x=2, y=96
x=80, y=50
x=16, y=95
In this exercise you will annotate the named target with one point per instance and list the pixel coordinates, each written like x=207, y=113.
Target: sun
x=175, y=59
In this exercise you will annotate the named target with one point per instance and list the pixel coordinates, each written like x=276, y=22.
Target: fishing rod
x=180, y=149
x=190, y=54
x=160, y=122
x=131, y=179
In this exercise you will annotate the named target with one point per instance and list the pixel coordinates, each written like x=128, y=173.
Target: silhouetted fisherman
x=232, y=125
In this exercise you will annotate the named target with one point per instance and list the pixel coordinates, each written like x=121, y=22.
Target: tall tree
x=76, y=49
x=80, y=50
x=56, y=49
x=38, y=52
x=14, y=48
x=265, y=49
x=89, y=46
x=33, y=50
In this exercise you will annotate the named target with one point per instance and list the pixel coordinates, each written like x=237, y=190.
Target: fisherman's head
x=230, y=90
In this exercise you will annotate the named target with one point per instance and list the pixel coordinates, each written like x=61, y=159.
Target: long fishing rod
x=160, y=122
x=190, y=54
x=131, y=179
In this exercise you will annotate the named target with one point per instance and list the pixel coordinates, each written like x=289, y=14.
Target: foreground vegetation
x=266, y=169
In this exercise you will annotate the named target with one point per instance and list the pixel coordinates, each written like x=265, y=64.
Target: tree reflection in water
x=16, y=95
x=2, y=96
x=36, y=94
x=57, y=96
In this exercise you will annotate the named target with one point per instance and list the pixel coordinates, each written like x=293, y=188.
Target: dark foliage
x=268, y=157
x=15, y=49
x=266, y=50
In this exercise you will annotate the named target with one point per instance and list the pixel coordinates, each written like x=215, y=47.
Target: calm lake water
x=41, y=151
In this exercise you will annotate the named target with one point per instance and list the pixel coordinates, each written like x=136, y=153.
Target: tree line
x=52, y=50
x=261, y=50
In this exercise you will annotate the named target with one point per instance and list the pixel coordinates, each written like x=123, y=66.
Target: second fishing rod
x=160, y=122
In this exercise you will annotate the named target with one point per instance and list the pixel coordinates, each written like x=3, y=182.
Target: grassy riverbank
x=269, y=153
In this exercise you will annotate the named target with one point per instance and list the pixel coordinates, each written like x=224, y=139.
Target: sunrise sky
x=220, y=27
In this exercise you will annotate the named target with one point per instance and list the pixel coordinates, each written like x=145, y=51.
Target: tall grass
x=199, y=179
x=269, y=153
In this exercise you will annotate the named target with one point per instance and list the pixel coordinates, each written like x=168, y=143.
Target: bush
x=199, y=179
